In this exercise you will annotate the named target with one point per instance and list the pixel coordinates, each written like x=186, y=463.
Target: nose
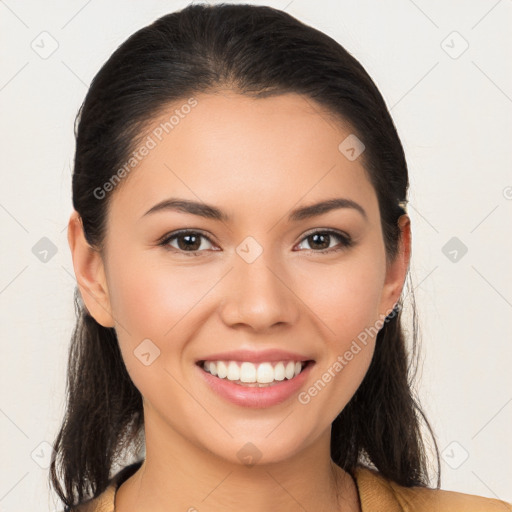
x=259, y=296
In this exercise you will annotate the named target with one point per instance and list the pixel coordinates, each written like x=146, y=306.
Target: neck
x=178, y=476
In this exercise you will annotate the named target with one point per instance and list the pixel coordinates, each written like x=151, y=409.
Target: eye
x=322, y=238
x=189, y=242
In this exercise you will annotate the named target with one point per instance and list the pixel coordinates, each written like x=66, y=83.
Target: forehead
x=244, y=153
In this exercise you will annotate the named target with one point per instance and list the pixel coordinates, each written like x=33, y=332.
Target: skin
x=256, y=159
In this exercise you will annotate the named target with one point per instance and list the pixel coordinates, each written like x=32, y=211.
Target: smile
x=269, y=383
x=254, y=375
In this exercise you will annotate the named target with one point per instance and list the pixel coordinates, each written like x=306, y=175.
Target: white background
x=454, y=116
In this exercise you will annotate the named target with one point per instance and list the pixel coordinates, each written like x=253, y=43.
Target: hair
x=257, y=51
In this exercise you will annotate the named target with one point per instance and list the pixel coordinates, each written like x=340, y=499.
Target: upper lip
x=270, y=355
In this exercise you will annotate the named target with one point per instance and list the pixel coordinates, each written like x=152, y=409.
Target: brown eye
x=190, y=242
x=320, y=241
x=187, y=242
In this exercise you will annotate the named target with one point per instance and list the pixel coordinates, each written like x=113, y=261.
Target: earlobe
x=89, y=273
x=397, y=269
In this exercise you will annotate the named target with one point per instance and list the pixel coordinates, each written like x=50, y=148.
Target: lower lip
x=256, y=397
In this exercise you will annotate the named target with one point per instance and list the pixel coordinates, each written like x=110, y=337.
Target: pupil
x=188, y=245
x=318, y=239
x=316, y=236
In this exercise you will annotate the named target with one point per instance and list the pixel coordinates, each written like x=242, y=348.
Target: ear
x=90, y=273
x=397, y=269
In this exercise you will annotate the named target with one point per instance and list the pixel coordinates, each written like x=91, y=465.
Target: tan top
x=376, y=493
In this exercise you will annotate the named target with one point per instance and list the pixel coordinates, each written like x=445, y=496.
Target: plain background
x=452, y=106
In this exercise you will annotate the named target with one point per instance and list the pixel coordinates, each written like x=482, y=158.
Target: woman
x=240, y=242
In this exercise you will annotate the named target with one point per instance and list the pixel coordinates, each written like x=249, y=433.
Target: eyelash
x=346, y=241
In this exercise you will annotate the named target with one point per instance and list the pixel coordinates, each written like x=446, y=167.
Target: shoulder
x=104, y=502
x=378, y=494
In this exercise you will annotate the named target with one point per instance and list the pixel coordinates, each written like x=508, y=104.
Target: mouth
x=255, y=375
x=270, y=383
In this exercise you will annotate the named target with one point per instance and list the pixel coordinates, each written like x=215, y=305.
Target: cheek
x=345, y=299
x=149, y=298
x=347, y=306
x=148, y=301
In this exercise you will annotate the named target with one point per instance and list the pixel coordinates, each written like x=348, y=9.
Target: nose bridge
x=258, y=294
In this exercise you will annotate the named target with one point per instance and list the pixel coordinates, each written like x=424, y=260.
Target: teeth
x=246, y=372
x=233, y=371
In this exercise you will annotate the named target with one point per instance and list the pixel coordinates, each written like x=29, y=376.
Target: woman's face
x=254, y=280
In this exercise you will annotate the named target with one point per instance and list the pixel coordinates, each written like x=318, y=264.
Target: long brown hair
x=256, y=51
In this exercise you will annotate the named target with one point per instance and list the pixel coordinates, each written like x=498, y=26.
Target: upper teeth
x=250, y=372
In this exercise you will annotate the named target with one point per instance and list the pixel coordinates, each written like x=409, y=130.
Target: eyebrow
x=212, y=212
